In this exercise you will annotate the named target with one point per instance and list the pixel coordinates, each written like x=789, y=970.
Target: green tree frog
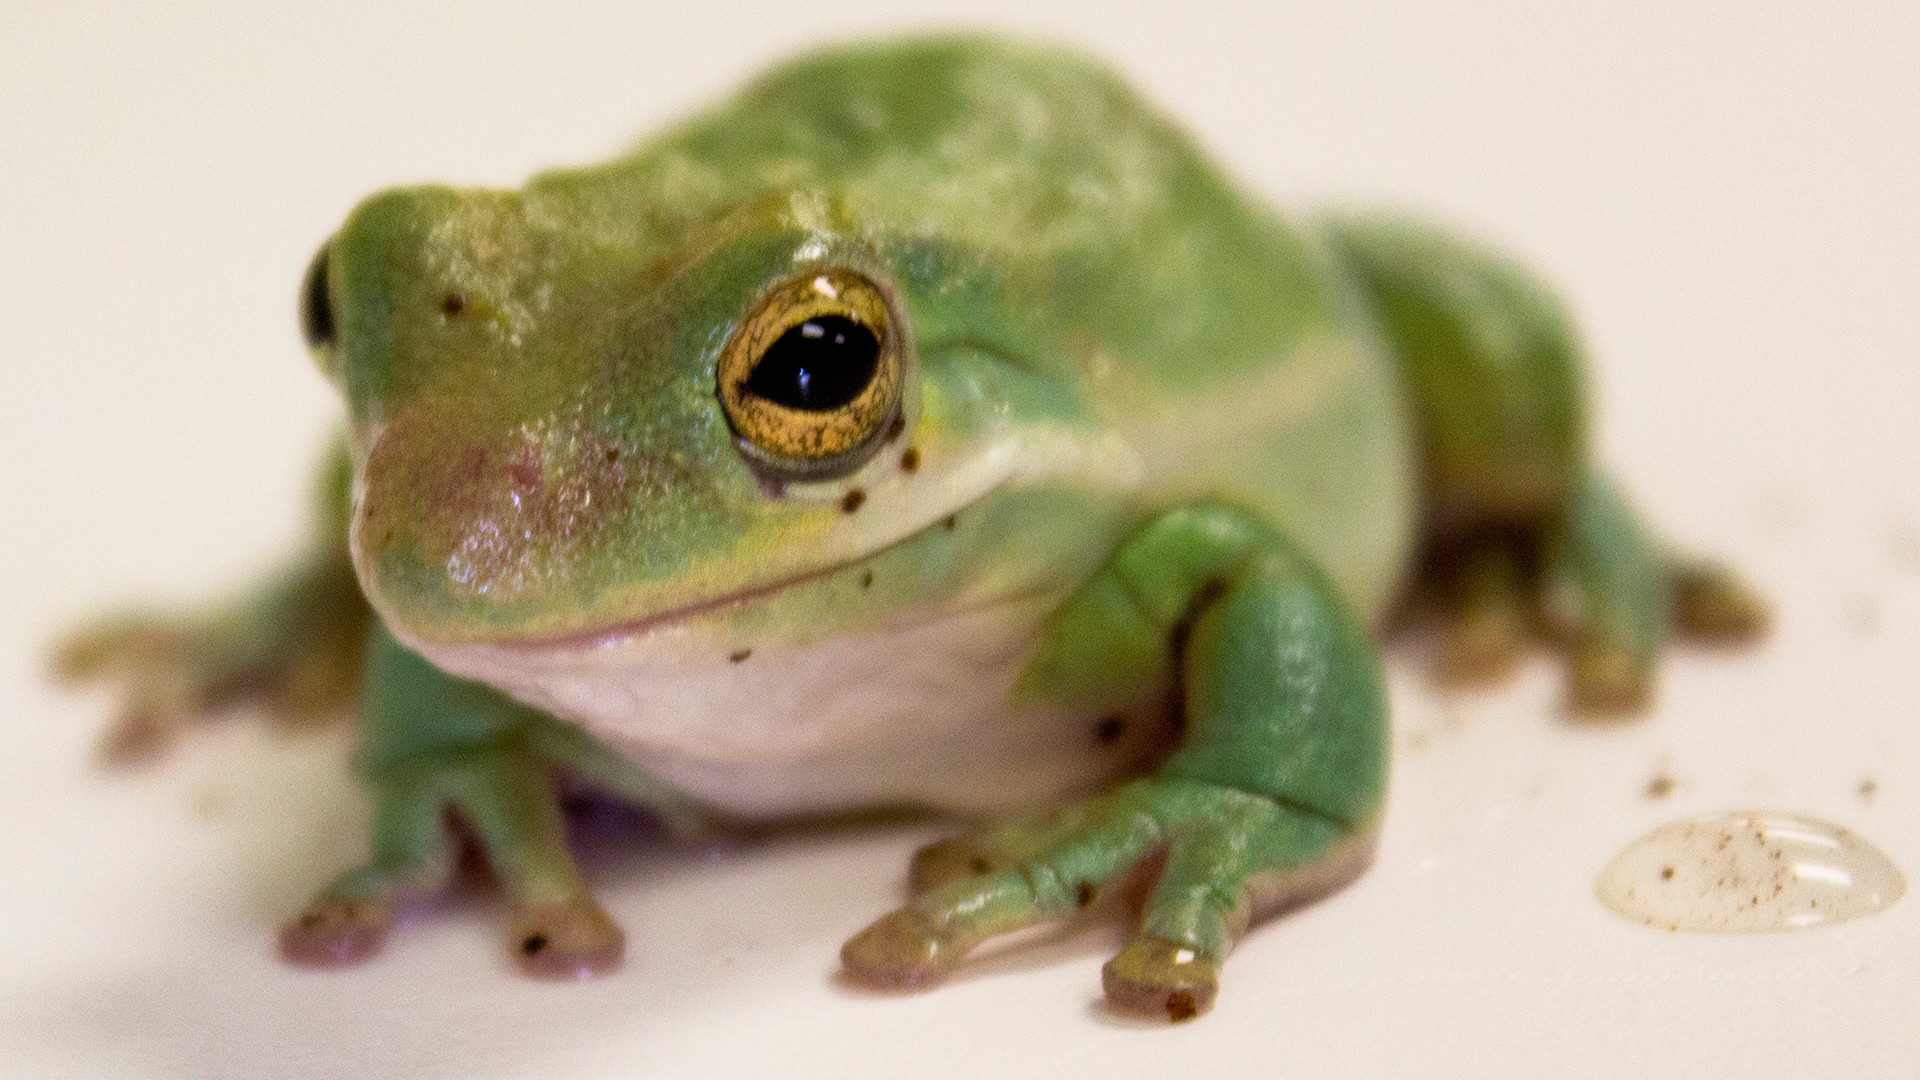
x=933, y=424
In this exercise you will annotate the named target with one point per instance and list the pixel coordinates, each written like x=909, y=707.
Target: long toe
x=897, y=952
x=1479, y=648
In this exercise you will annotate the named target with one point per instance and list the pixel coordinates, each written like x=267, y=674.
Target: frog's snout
x=449, y=515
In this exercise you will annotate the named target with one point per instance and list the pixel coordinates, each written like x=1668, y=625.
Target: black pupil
x=316, y=308
x=817, y=366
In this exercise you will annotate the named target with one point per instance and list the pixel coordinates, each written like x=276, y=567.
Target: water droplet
x=1748, y=872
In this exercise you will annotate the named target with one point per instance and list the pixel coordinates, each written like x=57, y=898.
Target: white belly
x=918, y=715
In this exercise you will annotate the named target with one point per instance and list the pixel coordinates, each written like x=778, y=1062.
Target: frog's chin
x=914, y=713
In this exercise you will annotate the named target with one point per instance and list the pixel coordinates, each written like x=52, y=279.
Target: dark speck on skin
x=1109, y=728
x=1666, y=873
x=1868, y=789
x=952, y=522
x=852, y=501
x=533, y=944
x=1082, y=894
x=910, y=460
x=739, y=657
x=1660, y=787
x=866, y=580
x=452, y=304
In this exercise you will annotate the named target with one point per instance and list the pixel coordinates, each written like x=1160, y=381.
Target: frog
x=933, y=425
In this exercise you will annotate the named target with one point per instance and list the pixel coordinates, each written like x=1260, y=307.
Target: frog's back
x=1035, y=206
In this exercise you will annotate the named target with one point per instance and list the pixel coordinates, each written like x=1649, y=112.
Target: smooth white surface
x=1725, y=190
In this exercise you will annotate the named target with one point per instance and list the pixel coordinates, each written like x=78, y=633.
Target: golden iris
x=812, y=377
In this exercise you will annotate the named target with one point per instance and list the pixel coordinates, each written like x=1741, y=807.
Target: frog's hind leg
x=1523, y=538
x=292, y=644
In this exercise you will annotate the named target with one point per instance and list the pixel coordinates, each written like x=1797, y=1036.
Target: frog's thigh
x=1493, y=363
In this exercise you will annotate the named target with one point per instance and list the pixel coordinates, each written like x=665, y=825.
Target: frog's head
x=566, y=426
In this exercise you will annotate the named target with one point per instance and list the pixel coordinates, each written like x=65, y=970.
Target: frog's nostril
x=316, y=305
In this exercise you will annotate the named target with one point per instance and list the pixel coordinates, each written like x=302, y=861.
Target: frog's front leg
x=436, y=748
x=1269, y=801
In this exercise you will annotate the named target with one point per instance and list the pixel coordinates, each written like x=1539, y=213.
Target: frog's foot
x=1595, y=586
x=349, y=922
x=1612, y=597
x=337, y=931
x=166, y=686
x=1230, y=857
x=571, y=939
x=174, y=674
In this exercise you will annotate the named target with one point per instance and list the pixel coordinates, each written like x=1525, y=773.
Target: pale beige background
x=1727, y=190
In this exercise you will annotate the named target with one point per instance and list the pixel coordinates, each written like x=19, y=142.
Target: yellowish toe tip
x=336, y=931
x=1713, y=606
x=567, y=941
x=1606, y=684
x=1162, y=980
x=897, y=953
x=943, y=863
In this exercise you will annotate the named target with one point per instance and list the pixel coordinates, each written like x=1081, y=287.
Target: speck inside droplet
x=1748, y=872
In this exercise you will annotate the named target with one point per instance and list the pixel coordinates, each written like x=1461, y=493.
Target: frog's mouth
x=631, y=630
x=673, y=635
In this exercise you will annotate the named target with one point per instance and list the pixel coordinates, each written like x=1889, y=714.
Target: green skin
x=1215, y=442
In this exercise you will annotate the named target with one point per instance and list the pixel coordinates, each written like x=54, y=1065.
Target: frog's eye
x=811, y=380
x=316, y=307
